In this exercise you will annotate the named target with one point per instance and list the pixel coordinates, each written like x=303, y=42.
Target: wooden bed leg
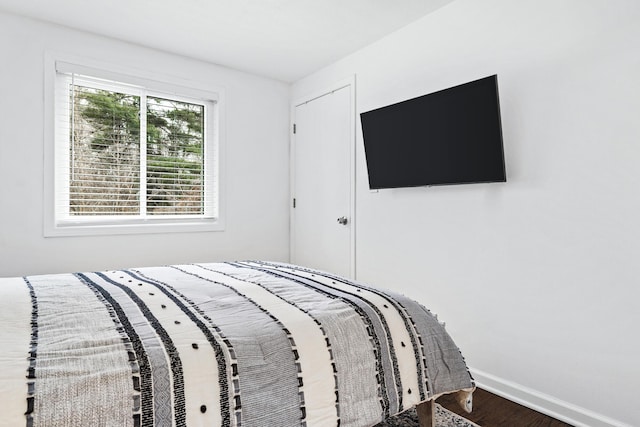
x=426, y=414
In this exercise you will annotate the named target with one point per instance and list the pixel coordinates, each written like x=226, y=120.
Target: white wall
x=257, y=180
x=538, y=279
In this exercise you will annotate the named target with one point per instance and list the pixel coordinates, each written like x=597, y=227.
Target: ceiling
x=281, y=39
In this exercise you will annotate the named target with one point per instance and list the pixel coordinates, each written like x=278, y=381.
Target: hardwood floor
x=490, y=410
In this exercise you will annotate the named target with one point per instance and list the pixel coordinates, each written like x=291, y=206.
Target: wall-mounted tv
x=453, y=136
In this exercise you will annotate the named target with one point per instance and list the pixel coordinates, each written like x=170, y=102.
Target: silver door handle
x=343, y=220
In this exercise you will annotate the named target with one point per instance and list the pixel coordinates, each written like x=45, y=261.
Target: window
x=131, y=155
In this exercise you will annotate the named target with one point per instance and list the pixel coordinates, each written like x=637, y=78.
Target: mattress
x=248, y=343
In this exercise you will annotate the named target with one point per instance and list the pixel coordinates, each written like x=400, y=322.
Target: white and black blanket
x=222, y=344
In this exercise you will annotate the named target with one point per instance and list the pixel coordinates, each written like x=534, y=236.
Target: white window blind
x=130, y=154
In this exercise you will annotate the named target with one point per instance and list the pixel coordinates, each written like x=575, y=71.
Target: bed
x=249, y=343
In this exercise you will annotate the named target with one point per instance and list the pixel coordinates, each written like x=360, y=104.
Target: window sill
x=96, y=228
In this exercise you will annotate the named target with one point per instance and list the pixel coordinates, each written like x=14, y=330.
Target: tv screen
x=453, y=136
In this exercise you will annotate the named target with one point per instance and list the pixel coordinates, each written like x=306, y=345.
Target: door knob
x=343, y=220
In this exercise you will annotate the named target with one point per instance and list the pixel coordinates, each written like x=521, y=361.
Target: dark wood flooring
x=490, y=410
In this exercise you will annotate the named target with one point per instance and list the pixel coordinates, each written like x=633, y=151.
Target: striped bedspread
x=222, y=344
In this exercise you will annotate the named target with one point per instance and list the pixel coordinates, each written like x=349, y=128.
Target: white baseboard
x=546, y=404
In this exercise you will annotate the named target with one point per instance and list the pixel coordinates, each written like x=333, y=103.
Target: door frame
x=350, y=83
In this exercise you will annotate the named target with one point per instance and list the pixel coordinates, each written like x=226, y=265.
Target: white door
x=322, y=219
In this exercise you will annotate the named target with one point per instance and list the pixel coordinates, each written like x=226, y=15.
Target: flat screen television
x=453, y=136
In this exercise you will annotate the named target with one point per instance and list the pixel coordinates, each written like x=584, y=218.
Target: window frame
x=60, y=223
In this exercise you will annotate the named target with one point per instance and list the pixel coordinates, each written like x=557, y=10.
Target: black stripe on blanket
x=174, y=358
x=140, y=354
x=178, y=298
x=33, y=351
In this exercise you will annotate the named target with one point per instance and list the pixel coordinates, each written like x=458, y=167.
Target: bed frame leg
x=426, y=414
